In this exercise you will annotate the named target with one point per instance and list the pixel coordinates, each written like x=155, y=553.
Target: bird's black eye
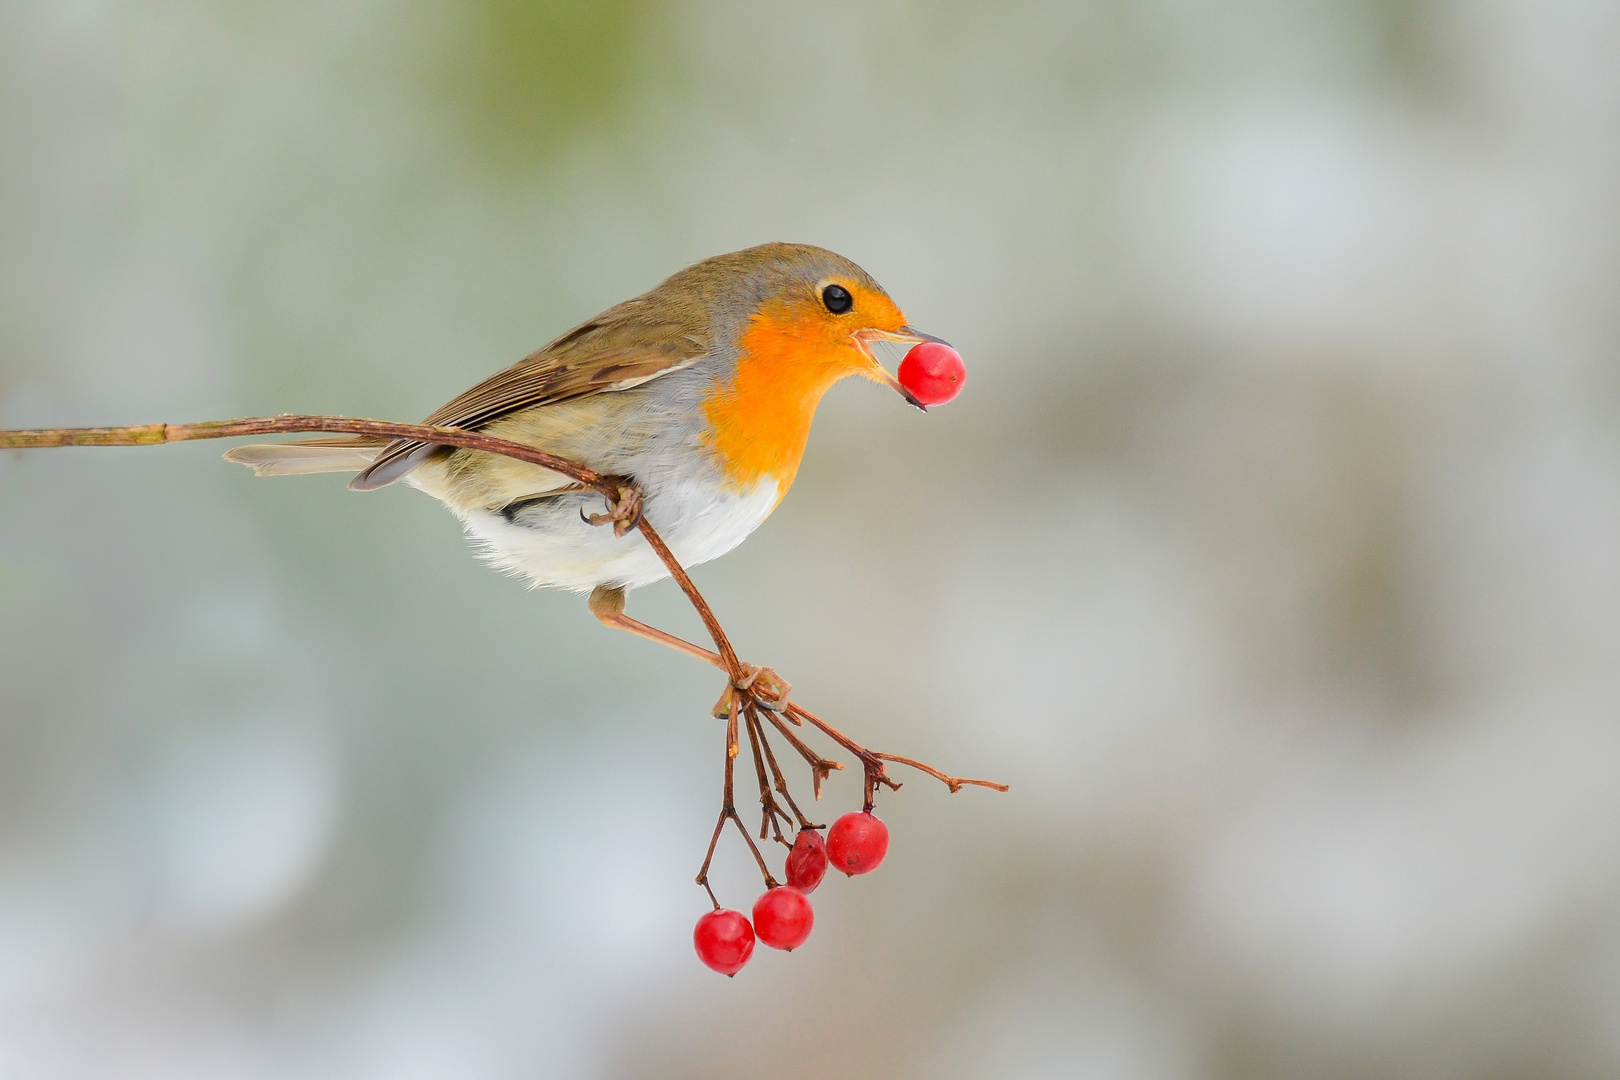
x=837, y=299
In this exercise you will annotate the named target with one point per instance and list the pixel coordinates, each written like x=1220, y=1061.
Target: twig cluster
x=754, y=695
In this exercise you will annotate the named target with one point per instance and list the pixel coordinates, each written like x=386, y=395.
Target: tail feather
x=308, y=456
x=395, y=461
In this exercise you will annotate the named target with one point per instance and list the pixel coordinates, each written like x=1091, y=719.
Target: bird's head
x=809, y=315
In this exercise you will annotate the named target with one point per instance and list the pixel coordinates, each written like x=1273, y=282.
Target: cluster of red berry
x=855, y=844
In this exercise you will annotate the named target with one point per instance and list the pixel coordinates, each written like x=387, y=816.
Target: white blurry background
x=1272, y=554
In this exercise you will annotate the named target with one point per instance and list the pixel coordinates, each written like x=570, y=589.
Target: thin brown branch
x=768, y=810
x=728, y=811
x=820, y=767
x=874, y=767
x=293, y=424
x=872, y=771
x=703, y=871
x=764, y=871
x=780, y=780
x=873, y=760
x=731, y=806
x=955, y=783
x=727, y=808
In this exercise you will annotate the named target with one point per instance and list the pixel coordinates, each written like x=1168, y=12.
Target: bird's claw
x=624, y=510
x=769, y=689
x=766, y=688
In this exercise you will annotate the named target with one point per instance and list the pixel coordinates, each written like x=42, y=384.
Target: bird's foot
x=623, y=510
x=759, y=685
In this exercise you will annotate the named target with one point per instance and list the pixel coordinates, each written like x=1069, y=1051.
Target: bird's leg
x=761, y=685
x=607, y=604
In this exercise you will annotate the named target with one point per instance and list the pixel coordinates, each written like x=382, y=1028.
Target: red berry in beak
x=933, y=372
x=783, y=917
x=724, y=941
x=856, y=843
x=807, y=862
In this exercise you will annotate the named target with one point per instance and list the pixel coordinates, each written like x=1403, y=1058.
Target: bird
x=702, y=391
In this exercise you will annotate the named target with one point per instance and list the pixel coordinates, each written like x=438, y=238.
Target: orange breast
x=760, y=421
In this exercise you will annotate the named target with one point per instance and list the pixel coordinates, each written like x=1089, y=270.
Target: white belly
x=548, y=543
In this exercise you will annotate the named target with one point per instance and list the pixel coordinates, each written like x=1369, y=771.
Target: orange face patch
x=791, y=352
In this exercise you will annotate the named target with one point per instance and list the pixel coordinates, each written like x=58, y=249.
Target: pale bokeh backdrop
x=1272, y=554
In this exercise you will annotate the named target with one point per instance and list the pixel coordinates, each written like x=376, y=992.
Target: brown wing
x=624, y=346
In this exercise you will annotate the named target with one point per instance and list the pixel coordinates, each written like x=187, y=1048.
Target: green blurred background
x=1272, y=554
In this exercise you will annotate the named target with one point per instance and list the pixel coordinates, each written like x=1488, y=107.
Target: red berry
x=933, y=372
x=783, y=917
x=807, y=861
x=724, y=941
x=856, y=843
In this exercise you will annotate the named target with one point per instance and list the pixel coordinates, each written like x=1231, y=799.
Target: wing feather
x=625, y=346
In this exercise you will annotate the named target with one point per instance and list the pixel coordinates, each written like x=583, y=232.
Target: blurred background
x=1272, y=554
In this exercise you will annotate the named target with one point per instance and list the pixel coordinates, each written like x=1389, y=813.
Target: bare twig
x=293, y=424
x=955, y=783
x=771, y=815
x=871, y=765
x=873, y=761
x=780, y=780
x=728, y=810
x=820, y=767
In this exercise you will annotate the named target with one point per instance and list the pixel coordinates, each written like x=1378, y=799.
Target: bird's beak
x=906, y=335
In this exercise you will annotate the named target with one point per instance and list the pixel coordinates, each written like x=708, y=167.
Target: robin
x=702, y=391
